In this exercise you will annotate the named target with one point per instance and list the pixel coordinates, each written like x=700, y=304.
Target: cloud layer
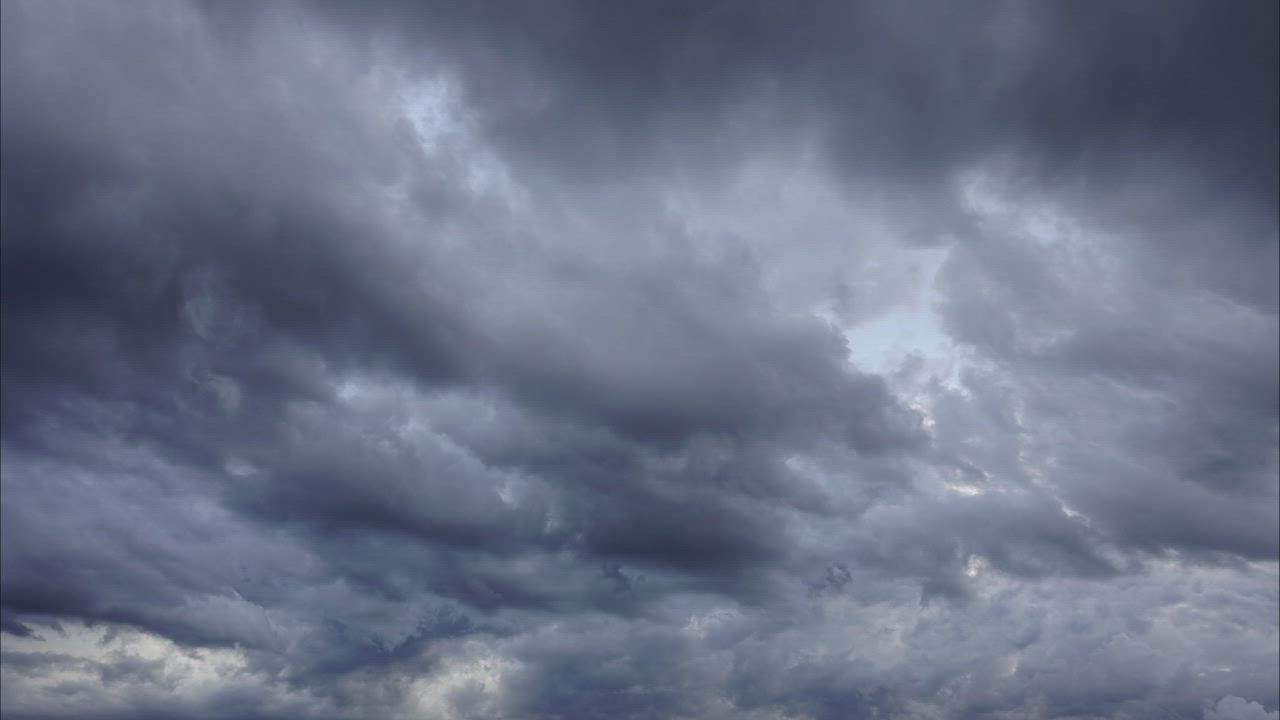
x=639, y=360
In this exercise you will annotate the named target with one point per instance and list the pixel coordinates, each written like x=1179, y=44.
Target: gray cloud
x=734, y=360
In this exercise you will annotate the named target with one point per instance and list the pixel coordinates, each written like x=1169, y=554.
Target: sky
x=714, y=360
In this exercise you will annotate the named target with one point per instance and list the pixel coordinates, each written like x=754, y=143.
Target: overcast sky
x=737, y=360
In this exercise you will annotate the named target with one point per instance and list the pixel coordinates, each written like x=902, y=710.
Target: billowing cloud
x=573, y=360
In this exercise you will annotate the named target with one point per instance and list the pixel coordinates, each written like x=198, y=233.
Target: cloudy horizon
x=748, y=360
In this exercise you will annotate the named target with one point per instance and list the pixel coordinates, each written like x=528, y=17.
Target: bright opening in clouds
x=750, y=360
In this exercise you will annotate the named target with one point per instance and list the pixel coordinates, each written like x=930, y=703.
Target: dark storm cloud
x=904, y=93
x=444, y=359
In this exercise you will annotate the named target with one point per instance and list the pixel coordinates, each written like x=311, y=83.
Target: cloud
x=1234, y=707
x=685, y=361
